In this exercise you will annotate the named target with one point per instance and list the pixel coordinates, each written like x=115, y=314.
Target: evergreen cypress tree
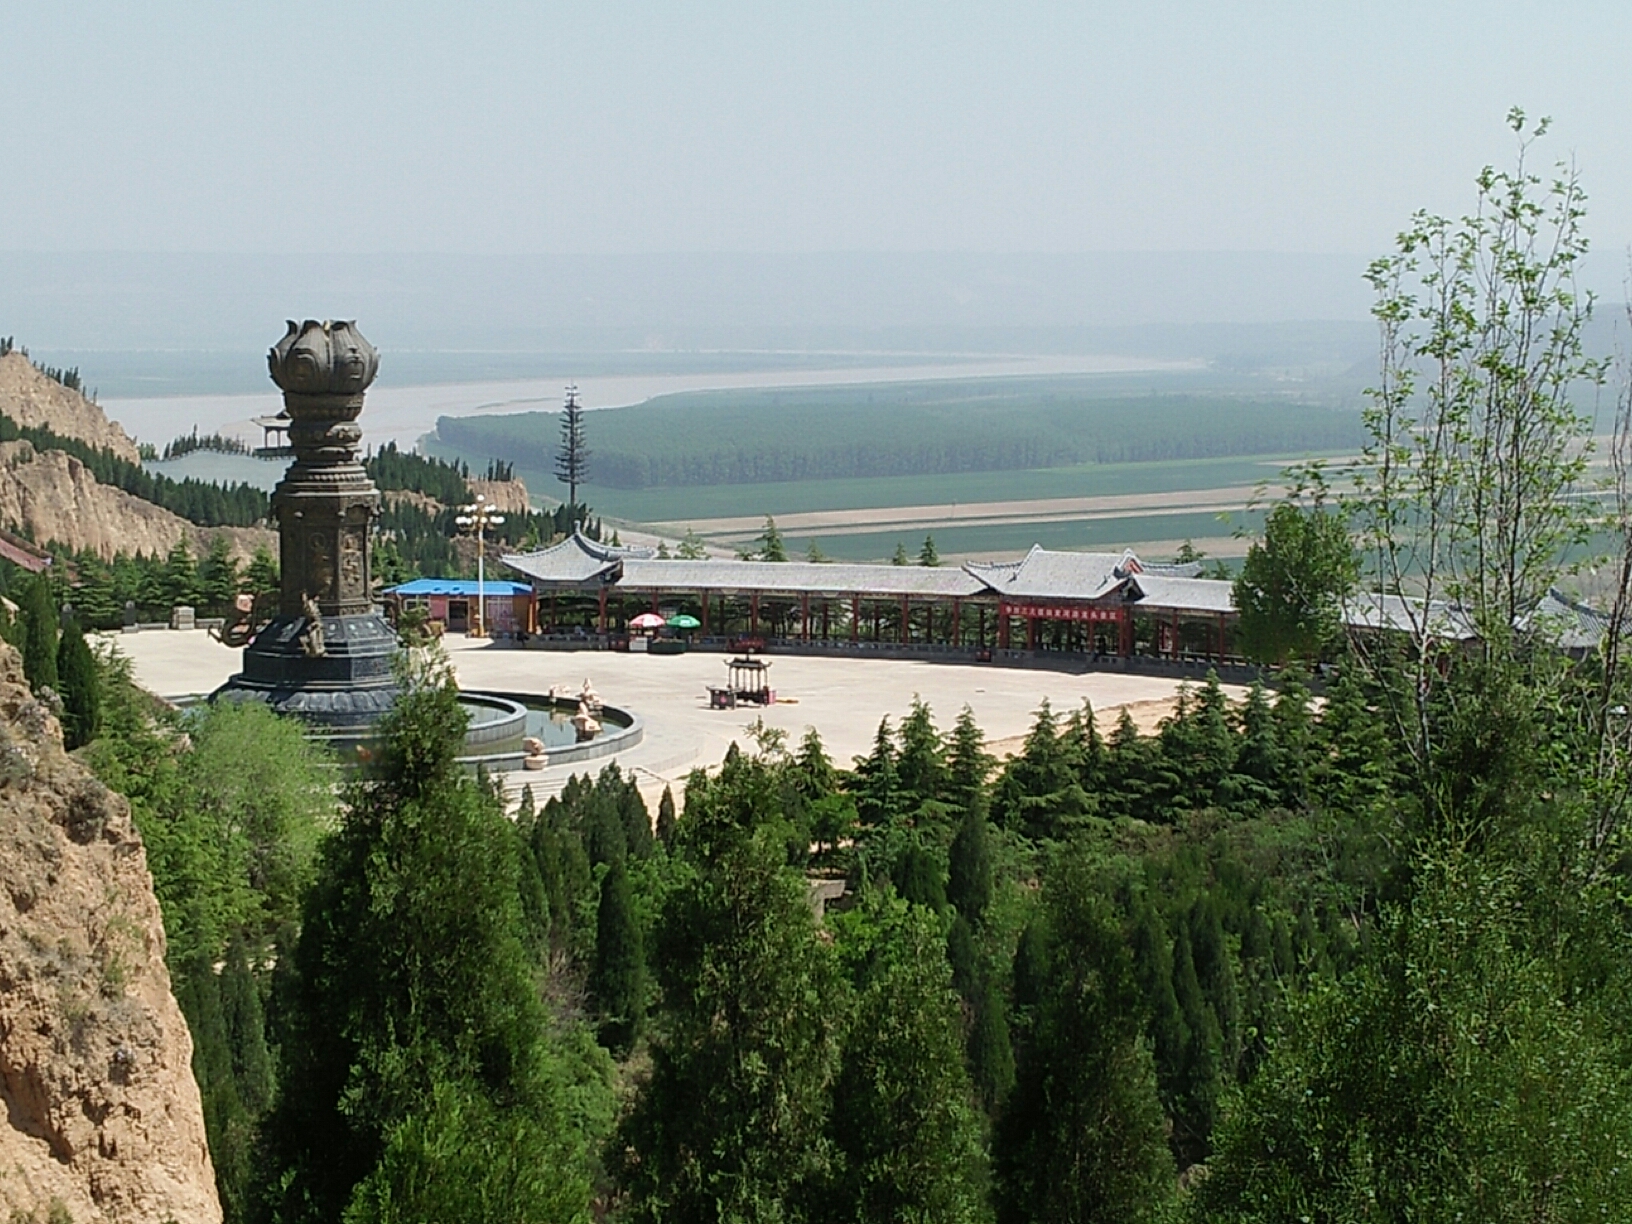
x=1294, y=737
x=929, y=555
x=991, y=1053
x=920, y=879
x=771, y=545
x=179, y=576
x=1082, y=1135
x=1215, y=971
x=246, y=1030
x=227, y=1125
x=617, y=975
x=1169, y=1038
x=80, y=682
x=1259, y=769
x=218, y=575
x=414, y=1034
x=967, y=764
x=969, y=874
x=667, y=821
x=909, y=1145
x=1198, y=1080
x=731, y=1123
x=1082, y=736
x=637, y=819
x=38, y=613
x=900, y=557
x=876, y=784
x=920, y=765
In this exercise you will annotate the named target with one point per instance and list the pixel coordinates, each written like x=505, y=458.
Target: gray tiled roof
x=576, y=559
x=1371, y=610
x=1045, y=574
x=1571, y=625
x=1183, y=594
x=797, y=577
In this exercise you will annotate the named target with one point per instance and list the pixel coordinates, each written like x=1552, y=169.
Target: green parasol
x=682, y=621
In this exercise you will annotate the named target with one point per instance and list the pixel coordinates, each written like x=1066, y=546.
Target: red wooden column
x=1173, y=646
x=654, y=604
x=704, y=594
x=827, y=606
x=855, y=617
x=1124, y=631
x=753, y=614
x=804, y=616
x=957, y=620
x=552, y=611
x=1221, y=637
x=905, y=612
x=603, y=610
x=1002, y=628
x=1031, y=633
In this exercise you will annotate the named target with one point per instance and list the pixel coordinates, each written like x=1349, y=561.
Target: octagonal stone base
x=340, y=694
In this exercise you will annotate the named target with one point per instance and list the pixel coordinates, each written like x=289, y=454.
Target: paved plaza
x=843, y=698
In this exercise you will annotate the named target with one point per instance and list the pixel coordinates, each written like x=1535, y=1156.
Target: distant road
x=405, y=414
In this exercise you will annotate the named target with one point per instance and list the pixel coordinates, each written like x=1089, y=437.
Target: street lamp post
x=480, y=514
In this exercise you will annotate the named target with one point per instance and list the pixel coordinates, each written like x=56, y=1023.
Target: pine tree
x=1081, y=1137
x=909, y=1146
x=920, y=765
x=928, y=555
x=617, y=975
x=691, y=547
x=1041, y=792
x=38, y=613
x=969, y=871
x=731, y=1122
x=1198, y=1078
x=967, y=764
x=80, y=682
x=228, y=1126
x=875, y=782
x=572, y=455
x=637, y=820
x=1082, y=737
x=667, y=820
x=179, y=577
x=900, y=557
x=771, y=546
x=414, y=1034
x=1259, y=768
x=218, y=575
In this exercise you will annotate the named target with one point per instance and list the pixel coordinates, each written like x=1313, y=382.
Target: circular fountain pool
x=499, y=722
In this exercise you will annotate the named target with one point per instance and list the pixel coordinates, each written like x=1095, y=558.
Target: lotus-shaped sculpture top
x=328, y=358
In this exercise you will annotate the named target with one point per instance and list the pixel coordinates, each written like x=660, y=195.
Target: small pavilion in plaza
x=1105, y=604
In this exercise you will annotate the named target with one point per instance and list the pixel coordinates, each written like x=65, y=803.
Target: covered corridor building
x=1100, y=604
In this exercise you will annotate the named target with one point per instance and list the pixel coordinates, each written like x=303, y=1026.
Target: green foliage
x=927, y=555
x=668, y=821
x=80, y=683
x=1291, y=588
x=617, y=976
x=37, y=611
x=732, y=1122
x=969, y=870
x=391, y=469
x=415, y=1032
x=908, y=1144
x=1081, y=1137
x=771, y=546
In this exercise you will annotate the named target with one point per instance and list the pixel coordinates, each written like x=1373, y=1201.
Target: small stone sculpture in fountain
x=326, y=657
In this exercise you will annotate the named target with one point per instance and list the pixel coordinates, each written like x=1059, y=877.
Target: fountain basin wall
x=499, y=724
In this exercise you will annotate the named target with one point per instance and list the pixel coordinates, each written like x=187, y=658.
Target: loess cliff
x=51, y=496
x=30, y=398
x=102, y=1114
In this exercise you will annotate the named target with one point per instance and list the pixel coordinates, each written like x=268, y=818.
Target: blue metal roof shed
x=460, y=588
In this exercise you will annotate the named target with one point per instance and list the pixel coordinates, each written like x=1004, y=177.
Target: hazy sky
x=781, y=127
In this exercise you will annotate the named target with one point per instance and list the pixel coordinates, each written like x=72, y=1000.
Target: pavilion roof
x=573, y=561
x=1183, y=594
x=799, y=577
x=1046, y=574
